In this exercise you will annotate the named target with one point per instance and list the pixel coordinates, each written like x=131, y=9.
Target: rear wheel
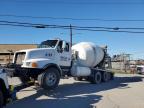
x=105, y=77
x=1, y=99
x=96, y=78
x=49, y=79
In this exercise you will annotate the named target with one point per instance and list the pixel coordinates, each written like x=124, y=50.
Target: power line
x=32, y=24
x=102, y=29
x=69, y=18
x=114, y=28
x=73, y=28
x=75, y=2
x=14, y=22
x=16, y=25
x=110, y=31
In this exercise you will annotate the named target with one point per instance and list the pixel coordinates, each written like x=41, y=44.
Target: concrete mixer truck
x=55, y=59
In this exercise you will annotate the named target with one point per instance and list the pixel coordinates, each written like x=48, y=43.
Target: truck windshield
x=48, y=44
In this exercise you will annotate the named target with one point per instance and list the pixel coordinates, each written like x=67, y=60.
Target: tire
x=1, y=99
x=49, y=79
x=97, y=78
x=105, y=76
x=78, y=78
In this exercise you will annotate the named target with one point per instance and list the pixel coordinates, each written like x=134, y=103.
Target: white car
x=140, y=69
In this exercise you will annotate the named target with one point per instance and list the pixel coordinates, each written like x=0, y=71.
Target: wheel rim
x=105, y=76
x=51, y=79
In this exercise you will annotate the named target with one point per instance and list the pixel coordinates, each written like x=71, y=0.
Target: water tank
x=88, y=54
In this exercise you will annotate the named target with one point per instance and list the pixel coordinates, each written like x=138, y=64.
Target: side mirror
x=64, y=45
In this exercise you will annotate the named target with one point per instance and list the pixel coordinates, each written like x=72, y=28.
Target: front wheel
x=1, y=99
x=49, y=79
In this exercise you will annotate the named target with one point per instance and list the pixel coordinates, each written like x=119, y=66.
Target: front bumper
x=23, y=72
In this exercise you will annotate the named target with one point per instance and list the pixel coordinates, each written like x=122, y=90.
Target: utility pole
x=71, y=35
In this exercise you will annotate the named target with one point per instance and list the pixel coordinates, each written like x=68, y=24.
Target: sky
x=131, y=43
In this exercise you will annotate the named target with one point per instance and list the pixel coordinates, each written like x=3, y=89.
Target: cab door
x=64, y=51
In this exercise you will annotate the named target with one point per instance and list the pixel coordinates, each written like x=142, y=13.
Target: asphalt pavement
x=125, y=91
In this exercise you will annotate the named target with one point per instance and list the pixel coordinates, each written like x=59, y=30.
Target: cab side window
x=59, y=47
x=66, y=48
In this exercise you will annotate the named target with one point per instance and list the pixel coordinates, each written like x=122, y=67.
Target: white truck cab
x=51, y=51
x=50, y=55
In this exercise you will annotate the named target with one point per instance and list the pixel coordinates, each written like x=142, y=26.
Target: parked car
x=140, y=69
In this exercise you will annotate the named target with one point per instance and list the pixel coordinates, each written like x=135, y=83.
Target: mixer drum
x=89, y=54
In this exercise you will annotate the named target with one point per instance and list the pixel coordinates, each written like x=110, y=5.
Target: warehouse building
x=7, y=51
